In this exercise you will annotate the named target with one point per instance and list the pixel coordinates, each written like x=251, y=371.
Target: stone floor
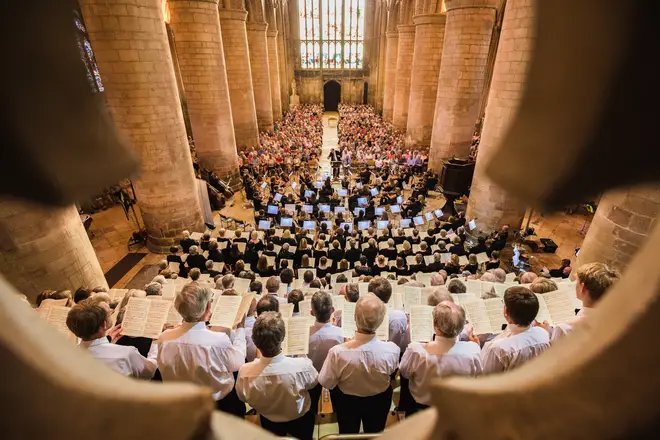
x=111, y=230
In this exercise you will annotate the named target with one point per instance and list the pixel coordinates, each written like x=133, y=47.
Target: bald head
x=528, y=277
x=448, y=319
x=369, y=313
x=438, y=295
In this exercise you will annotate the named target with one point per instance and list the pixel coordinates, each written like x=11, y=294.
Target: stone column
x=256, y=33
x=490, y=204
x=273, y=60
x=461, y=79
x=404, y=62
x=133, y=55
x=382, y=50
x=202, y=65
x=281, y=57
x=239, y=77
x=429, y=37
x=623, y=221
x=391, y=52
x=45, y=248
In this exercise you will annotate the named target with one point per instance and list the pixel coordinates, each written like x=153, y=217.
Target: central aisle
x=330, y=140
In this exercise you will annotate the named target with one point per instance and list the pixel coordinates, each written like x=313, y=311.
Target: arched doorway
x=331, y=95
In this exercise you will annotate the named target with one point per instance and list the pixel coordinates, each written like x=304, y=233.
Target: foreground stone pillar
x=489, y=203
x=273, y=60
x=133, y=55
x=429, y=37
x=622, y=224
x=404, y=63
x=256, y=33
x=239, y=77
x=462, y=76
x=202, y=65
x=45, y=248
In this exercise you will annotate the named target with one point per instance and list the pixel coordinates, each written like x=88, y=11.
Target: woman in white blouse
x=444, y=356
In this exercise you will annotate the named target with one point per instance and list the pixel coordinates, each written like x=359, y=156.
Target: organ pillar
x=490, y=204
x=239, y=74
x=45, y=248
x=256, y=34
x=132, y=51
x=391, y=51
x=461, y=78
x=622, y=223
x=273, y=60
x=202, y=65
x=404, y=61
x=429, y=38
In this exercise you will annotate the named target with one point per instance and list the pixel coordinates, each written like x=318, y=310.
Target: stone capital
x=232, y=14
x=392, y=34
x=193, y=1
x=256, y=26
x=272, y=33
x=467, y=4
x=406, y=28
x=422, y=19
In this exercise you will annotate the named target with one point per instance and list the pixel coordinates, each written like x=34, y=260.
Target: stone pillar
x=202, y=65
x=281, y=57
x=461, y=79
x=45, y=248
x=490, y=204
x=429, y=37
x=391, y=51
x=623, y=221
x=239, y=77
x=273, y=60
x=256, y=33
x=133, y=55
x=382, y=50
x=403, y=75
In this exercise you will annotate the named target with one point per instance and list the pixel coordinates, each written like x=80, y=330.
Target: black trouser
x=406, y=400
x=371, y=411
x=415, y=407
x=301, y=428
x=315, y=395
x=231, y=404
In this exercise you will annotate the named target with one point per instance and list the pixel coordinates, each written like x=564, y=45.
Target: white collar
x=96, y=342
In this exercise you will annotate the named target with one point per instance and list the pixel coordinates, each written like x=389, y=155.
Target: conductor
x=335, y=160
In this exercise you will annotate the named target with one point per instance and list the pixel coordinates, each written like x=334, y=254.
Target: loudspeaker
x=549, y=246
x=456, y=176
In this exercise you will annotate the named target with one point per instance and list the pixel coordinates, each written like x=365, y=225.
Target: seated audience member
x=81, y=294
x=563, y=272
x=499, y=274
x=174, y=257
x=276, y=386
x=285, y=253
x=195, y=259
x=186, y=242
x=494, y=261
x=268, y=303
x=322, y=337
x=401, y=269
x=453, y=266
x=214, y=253
x=472, y=265
x=204, y=242
x=153, y=289
x=209, y=269
x=521, y=341
x=194, y=353
x=294, y=297
x=226, y=282
x=543, y=285
x=456, y=286
x=263, y=269
x=444, y=356
x=593, y=281
x=324, y=268
x=54, y=294
x=528, y=278
x=89, y=320
x=436, y=265
x=457, y=246
x=273, y=287
x=358, y=372
x=437, y=280
x=194, y=275
x=308, y=277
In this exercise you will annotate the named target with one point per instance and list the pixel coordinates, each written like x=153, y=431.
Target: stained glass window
x=87, y=54
x=331, y=34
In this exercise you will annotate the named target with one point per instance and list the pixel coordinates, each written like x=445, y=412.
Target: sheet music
x=428, y=259
x=421, y=323
x=305, y=307
x=482, y=258
x=173, y=266
x=57, y=318
x=364, y=288
x=396, y=301
x=495, y=307
x=348, y=326
x=424, y=278
x=338, y=301
x=173, y=317
x=544, y=313
x=225, y=309
x=412, y=296
x=460, y=298
x=145, y=317
x=286, y=310
x=383, y=331
x=296, y=341
x=242, y=285
x=479, y=316
x=473, y=286
x=411, y=260
x=463, y=260
x=560, y=305
x=169, y=291
x=244, y=307
x=158, y=311
x=47, y=304
x=337, y=287
x=445, y=257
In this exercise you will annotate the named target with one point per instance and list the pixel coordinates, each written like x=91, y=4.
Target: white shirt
x=360, y=367
x=277, y=387
x=279, y=298
x=193, y=353
x=322, y=337
x=513, y=347
x=421, y=363
x=561, y=330
x=399, y=332
x=250, y=349
x=124, y=360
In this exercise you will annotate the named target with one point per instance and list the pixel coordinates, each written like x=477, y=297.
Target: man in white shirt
x=277, y=386
x=593, y=280
x=521, y=341
x=193, y=353
x=272, y=287
x=267, y=303
x=358, y=372
x=322, y=337
x=444, y=356
x=89, y=320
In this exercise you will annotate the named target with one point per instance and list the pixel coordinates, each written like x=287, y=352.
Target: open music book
x=485, y=315
x=296, y=340
x=557, y=307
x=56, y=316
x=228, y=310
x=145, y=317
x=421, y=323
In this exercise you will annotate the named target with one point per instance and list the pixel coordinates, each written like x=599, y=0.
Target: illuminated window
x=87, y=54
x=331, y=34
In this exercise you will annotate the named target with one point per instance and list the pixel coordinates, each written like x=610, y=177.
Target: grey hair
x=194, y=274
x=209, y=264
x=153, y=288
x=192, y=301
x=488, y=276
x=369, y=313
x=285, y=247
x=159, y=279
x=228, y=281
x=194, y=250
x=185, y=234
x=439, y=294
x=352, y=292
x=437, y=280
x=322, y=306
x=448, y=319
x=500, y=274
